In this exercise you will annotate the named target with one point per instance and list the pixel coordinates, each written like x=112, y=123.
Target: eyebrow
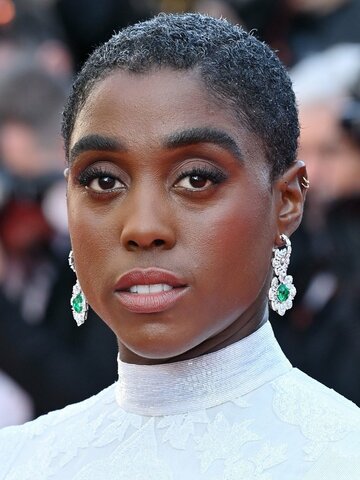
x=97, y=143
x=204, y=135
x=180, y=139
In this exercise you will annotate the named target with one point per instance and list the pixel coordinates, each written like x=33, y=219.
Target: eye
x=105, y=183
x=199, y=179
x=194, y=182
x=99, y=180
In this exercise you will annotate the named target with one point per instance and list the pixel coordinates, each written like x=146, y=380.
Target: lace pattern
x=281, y=430
x=314, y=412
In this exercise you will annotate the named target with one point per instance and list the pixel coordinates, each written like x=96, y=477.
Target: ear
x=290, y=190
x=66, y=176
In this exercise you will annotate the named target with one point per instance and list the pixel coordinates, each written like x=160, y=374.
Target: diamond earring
x=282, y=290
x=78, y=302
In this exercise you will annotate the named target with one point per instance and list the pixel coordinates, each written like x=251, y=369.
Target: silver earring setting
x=282, y=290
x=78, y=302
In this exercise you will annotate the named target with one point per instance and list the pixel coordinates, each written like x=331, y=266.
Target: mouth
x=149, y=290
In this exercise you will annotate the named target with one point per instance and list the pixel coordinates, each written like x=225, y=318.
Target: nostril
x=158, y=242
x=131, y=243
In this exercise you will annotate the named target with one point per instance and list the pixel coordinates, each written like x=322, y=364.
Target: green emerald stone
x=77, y=303
x=283, y=293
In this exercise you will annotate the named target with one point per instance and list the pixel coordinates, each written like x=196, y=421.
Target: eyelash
x=214, y=175
x=85, y=178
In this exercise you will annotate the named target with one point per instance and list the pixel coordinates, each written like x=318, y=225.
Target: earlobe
x=291, y=189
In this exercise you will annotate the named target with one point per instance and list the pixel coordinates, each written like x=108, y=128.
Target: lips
x=149, y=290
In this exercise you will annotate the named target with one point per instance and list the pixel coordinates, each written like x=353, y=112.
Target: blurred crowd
x=46, y=362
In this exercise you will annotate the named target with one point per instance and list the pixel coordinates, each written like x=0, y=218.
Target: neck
x=251, y=321
x=202, y=382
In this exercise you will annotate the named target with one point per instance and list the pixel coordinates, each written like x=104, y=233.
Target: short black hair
x=235, y=67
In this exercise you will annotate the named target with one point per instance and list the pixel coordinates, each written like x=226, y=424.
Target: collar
x=202, y=382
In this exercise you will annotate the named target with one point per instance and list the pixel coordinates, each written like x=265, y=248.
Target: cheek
x=233, y=249
x=92, y=239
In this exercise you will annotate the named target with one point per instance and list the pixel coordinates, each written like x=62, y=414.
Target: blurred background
x=46, y=362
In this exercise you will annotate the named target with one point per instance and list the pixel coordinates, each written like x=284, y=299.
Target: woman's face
x=171, y=214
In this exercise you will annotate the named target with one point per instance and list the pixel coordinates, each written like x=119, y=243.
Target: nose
x=148, y=223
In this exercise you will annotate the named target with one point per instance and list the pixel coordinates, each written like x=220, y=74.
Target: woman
x=180, y=136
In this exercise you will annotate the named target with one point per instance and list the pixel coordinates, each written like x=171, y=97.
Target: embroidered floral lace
x=240, y=413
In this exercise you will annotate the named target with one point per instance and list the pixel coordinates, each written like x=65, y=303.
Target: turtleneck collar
x=202, y=382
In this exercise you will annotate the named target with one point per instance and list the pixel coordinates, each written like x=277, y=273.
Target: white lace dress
x=242, y=413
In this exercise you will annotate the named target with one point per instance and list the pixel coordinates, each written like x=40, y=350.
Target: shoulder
x=328, y=423
x=326, y=420
x=300, y=389
x=18, y=444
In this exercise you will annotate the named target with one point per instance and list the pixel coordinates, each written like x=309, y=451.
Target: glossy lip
x=152, y=302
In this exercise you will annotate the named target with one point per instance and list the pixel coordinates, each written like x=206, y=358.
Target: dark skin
x=162, y=176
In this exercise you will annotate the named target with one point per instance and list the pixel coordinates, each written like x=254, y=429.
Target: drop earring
x=282, y=290
x=78, y=302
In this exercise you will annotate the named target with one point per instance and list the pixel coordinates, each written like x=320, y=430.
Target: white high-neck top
x=202, y=382
x=241, y=413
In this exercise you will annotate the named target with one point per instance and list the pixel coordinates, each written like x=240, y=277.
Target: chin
x=158, y=346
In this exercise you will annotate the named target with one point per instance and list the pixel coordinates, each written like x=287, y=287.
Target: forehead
x=144, y=108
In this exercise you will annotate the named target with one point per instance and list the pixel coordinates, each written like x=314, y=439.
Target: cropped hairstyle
x=234, y=66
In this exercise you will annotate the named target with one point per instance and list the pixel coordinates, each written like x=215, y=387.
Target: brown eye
x=200, y=178
x=194, y=182
x=105, y=183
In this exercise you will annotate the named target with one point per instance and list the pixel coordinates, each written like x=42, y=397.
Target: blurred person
x=217, y=9
x=295, y=28
x=299, y=28
x=35, y=35
x=86, y=23
x=322, y=84
x=16, y=406
x=333, y=157
x=34, y=339
x=316, y=25
x=255, y=13
x=31, y=170
x=51, y=54
x=322, y=333
x=320, y=7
